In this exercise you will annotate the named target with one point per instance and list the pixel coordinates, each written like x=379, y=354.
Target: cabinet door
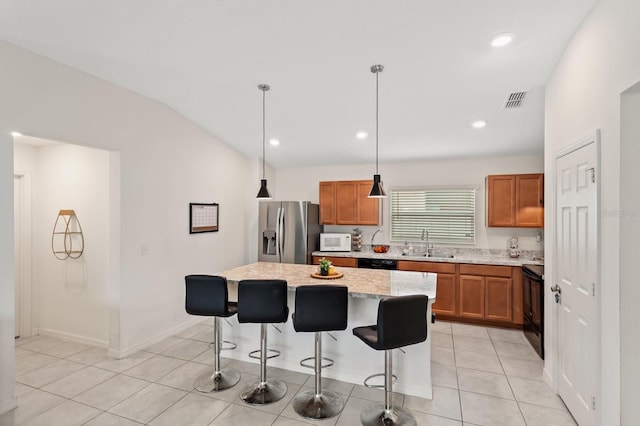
x=501, y=200
x=445, y=295
x=471, y=296
x=498, y=300
x=346, y=202
x=530, y=200
x=327, y=203
x=368, y=208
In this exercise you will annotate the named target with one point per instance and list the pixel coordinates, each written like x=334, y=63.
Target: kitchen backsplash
x=497, y=244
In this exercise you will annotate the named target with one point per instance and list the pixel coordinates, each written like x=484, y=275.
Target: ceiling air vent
x=515, y=100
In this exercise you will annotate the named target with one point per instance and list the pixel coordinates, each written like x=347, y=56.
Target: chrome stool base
x=377, y=415
x=217, y=381
x=310, y=405
x=267, y=392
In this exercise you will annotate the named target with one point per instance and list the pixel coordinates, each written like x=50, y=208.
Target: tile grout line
x=509, y=382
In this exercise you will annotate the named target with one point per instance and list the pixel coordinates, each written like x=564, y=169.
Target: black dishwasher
x=377, y=263
x=533, y=305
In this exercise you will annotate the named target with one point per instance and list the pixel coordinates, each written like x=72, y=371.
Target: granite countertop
x=475, y=258
x=369, y=283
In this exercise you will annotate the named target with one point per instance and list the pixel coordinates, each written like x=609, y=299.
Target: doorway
x=575, y=280
x=22, y=253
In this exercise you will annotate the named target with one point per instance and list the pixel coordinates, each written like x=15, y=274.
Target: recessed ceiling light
x=478, y=124
x=362, y=135
x=274, y=142
x=502, y=39
x=16, y=134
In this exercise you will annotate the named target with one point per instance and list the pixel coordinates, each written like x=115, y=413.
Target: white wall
x=600, y=62
x=7, y=295
x=629, y=255
x=165, y=162
x=69, y=177
x=302, y=184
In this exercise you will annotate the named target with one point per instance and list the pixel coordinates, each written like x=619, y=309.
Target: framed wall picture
x=203, y=217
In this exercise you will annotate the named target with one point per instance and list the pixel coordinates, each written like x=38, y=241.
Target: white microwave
x=335, y=242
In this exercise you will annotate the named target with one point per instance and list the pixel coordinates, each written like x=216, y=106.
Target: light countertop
x=482, y=259
x=368, y=283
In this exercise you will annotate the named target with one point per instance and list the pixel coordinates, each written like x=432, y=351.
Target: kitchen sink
x=432, y=255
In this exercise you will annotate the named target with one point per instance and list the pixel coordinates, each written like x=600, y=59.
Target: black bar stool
x=319, y=308
x=263, y=302
x=207, y=295
x=402, y=321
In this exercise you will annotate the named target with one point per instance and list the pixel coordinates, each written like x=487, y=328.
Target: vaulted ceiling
x=205, y=59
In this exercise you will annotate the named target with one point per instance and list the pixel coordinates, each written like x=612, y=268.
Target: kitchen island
x=354, y=361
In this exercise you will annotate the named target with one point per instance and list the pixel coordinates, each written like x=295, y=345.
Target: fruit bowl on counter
x=380, y=248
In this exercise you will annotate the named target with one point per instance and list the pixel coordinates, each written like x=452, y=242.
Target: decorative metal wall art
x=67, y=240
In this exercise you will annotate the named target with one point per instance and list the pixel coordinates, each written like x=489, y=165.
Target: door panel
x=471, y=296
x=17, y=244
x=576, y=273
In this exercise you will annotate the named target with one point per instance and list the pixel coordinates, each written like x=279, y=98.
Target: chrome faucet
x=425, y=238
x=374, y=234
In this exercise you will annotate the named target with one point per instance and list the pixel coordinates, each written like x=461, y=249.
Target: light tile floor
x=481, y=376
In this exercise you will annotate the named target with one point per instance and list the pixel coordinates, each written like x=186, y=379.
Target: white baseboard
x=123, y=353
x=8, y=405
x=548, y=379
x=69, y=336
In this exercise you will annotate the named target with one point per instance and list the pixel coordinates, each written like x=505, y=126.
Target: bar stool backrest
x=402, y=321
x=320, y=308
x=262, y=301
x=206, y=295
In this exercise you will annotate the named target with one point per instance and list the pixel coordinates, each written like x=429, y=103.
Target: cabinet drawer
x=485, y=270
x=437, y=267
x=351, y=262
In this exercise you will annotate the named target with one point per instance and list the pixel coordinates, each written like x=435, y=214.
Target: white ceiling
x=205, y=58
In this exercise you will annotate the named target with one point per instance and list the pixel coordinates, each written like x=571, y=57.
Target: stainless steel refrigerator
x=288, y=231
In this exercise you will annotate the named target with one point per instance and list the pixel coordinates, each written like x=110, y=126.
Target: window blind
x=448, y=214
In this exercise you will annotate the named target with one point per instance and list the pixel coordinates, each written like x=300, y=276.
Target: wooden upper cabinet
x=530, y=200
x=327, y=203
x=368, y=209
x=515, y=200
x=348, y=203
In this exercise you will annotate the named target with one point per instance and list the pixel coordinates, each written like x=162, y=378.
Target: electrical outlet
x=538, y=237
x=144, y=249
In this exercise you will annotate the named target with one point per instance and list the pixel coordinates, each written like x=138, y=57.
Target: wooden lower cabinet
x=486, y=297
x=445, y=303
x=350, y=262
x=490, y=294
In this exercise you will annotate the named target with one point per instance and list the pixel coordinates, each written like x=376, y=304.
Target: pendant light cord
x=377, y=72
x=263, y=133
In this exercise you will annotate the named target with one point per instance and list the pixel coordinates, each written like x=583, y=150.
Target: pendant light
x=376, y=189
x=263, y=193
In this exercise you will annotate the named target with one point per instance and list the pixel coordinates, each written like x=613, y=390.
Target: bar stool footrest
x=394, y=378
x=275, y=353
x=305, y=362
x=230, y=346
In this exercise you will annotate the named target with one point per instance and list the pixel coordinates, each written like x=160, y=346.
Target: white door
x=17, y=239
x=576, y=275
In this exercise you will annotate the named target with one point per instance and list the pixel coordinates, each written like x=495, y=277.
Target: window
x=448, y=214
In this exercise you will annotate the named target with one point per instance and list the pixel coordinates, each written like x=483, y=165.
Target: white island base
x=353, y=359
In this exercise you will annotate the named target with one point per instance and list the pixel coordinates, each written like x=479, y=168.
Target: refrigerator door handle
x=280, y=233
